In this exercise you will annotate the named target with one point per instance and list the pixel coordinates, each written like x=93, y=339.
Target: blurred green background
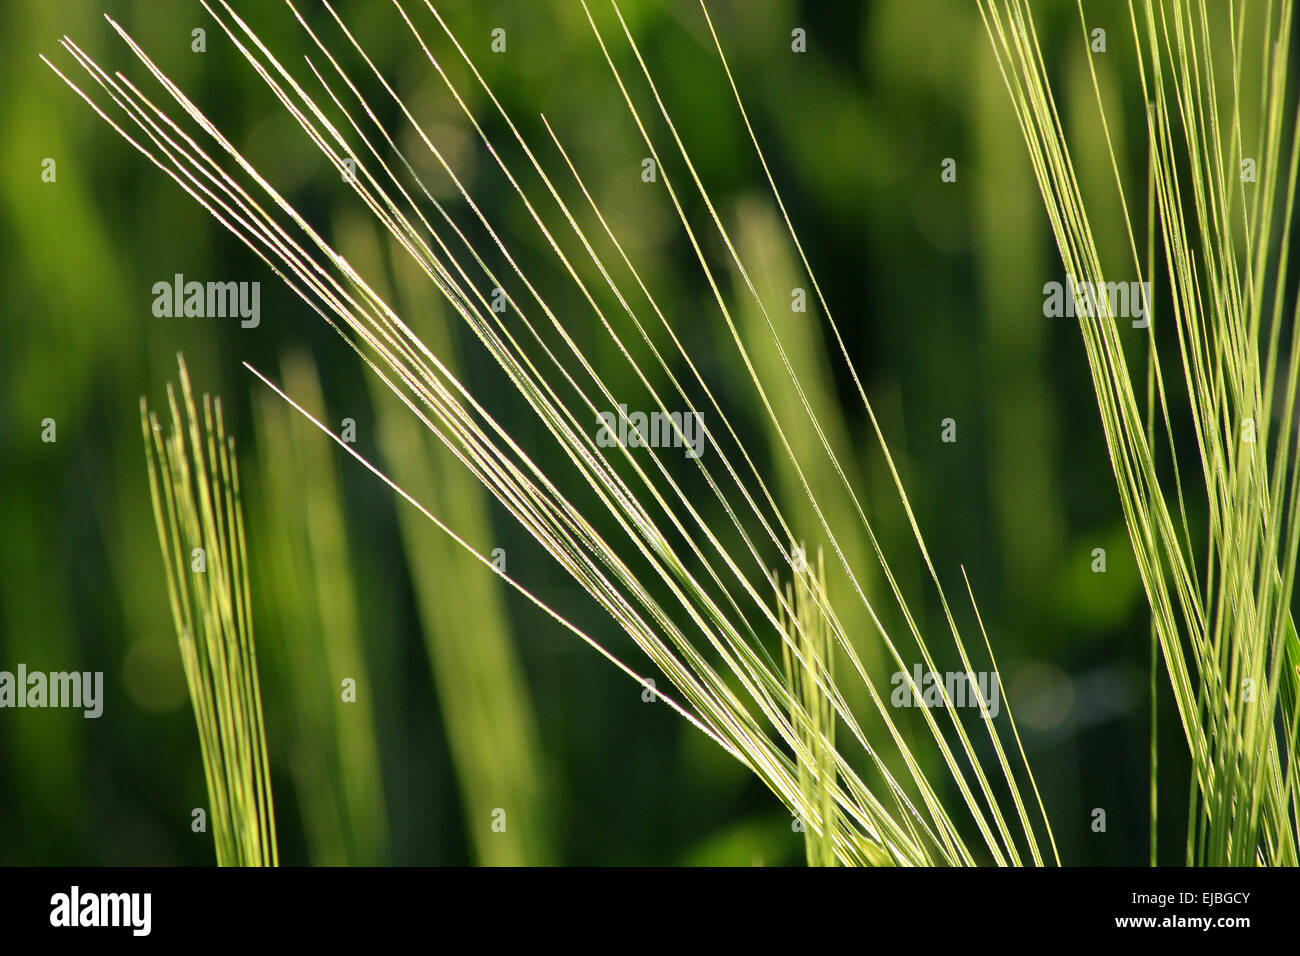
x=468, y=692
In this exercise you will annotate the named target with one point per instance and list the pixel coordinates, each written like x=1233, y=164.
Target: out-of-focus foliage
x=937, y=286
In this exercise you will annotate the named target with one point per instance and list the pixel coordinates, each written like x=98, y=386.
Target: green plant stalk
x=1222, y=624
x=333, y=750
x=478, y=677
x=194, y=485
x=809, y=661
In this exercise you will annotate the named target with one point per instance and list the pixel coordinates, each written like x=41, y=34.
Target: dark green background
x=936, y=286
